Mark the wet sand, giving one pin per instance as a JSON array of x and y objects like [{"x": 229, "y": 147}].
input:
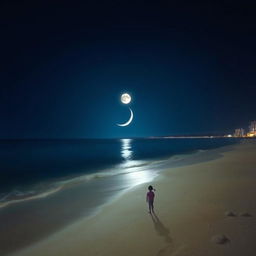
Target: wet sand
[{"x": 192, "y": 214}]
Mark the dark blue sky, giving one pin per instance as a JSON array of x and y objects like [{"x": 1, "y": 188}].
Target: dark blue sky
[{"x": 190, "y": 69}]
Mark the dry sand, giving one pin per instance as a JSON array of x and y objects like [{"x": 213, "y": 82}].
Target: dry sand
[{"x": 200, "y": 210}]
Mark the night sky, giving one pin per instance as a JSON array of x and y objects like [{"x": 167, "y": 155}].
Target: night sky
[{"x": 190, "y": 68}]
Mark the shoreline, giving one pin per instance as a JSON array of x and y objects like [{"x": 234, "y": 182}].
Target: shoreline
[
  {"x": 98, "y": 225},
  {"x": 58, "y": 186},
  {"x": 48, "y": 221}
]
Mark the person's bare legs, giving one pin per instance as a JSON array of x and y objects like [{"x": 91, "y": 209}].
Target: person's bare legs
[{"x": 151, "y": 206}]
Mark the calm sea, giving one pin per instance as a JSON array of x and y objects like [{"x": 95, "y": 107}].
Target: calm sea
[{"x": 32, "y": 167}]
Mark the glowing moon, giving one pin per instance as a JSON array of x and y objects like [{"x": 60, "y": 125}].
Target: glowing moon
[
  {"x": 126, "y": 98},
  {"x": 129, "y": 121}
]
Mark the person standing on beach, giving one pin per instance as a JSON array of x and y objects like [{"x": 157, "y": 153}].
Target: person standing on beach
[{"x": 150, "y": 199}]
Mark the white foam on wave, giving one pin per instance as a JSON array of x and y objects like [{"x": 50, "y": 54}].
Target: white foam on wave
[
  {"x": 180, "y": 157},
  {"x": 12, "y": 198},
  {"x": 43, "y": 190},
  {"x": 124, "y": 168},
  {"x": 137, "y": 171}
]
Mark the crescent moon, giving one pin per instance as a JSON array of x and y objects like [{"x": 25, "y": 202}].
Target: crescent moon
[{"x": 129, "y": 121}]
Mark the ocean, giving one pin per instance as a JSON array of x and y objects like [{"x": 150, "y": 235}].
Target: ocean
[{"x": 36, "y": 168}]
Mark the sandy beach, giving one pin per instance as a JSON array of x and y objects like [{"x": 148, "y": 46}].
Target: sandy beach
[{"x": 203, "y": 208}]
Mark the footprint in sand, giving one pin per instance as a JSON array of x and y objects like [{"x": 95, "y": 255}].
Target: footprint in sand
[
  {"x": 223, "y": 239},
  {"x": 233, "y": 214},
  {"x": 230, "y": 214},
  {"x": 220, "y": 239},
  {"x": 245, "y": 214}
]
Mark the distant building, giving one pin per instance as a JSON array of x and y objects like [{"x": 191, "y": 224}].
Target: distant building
[
  {"x": 252, "y": 129},
  {"x": 239, "y": 132}
]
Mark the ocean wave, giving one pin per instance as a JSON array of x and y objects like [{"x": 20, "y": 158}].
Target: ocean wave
[
  {"x": 16, "y": 196},
  {"x": 179, "y": 157},
  {"x": 43, "y": 190},
  {"x": 201, "y": 150},
  {"x": 124, "y": 168}
]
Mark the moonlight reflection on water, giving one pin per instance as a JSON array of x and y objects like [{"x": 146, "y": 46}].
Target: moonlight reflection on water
[{"x": 126, "y": 149}]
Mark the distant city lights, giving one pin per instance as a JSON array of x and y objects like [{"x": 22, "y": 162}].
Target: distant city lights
[{"x": 240, "y": 132}]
